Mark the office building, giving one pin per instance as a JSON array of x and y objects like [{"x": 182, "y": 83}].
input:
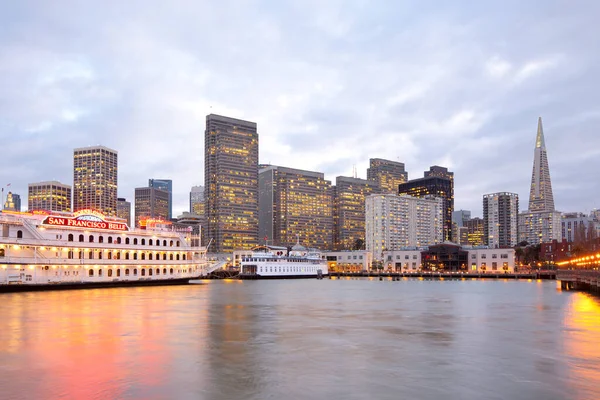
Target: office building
[
  {"x": 475, "y": 231},
  {"x": 398, "y": 221},
  {"x": 165, "y": 185},
  {"x": 151, "y": 203},
  {"x": 500, "y": 219},
  {"x": 13, "y": 202},
  {"x": 197, "y": 200},
  {"x": 439, "y": 182},
  {"x": 349, "y": 196},
  {"x": 541, "y": 223},
  {"x": 124, "y": 210},
  {"x": 95, "y": 179},
  {"x": 295, "y": 205},
  {"x": 231, "y": 183},
  {"x": 49, "y": 196},
  {"x": 386, "y": 174}
]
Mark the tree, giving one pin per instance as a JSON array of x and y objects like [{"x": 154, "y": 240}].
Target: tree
[{"x": 359, "y": 244}]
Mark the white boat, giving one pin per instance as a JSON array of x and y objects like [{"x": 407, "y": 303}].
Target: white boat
[
  {"x": 41, "y": 250},
  {"x": 300, "y": 262}
]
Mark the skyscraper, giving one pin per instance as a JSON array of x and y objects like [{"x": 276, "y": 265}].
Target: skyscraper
[
  {"x": 387, "y": 174},
  {"x": 231, "y": 183},
  {"x": 295, "y": 205},
  {"x": 438, "y": 181},
  {"x": 13, "y": 202},
  {"x": 95, "y": 179},
  {"x": 349, "y": 196},
  {"x": 124, "y": 210},
  {"x": 167, "y": 186},
  {"x": 49, "y": 196},
  {"x": 500, "y": 216},
  {"x": 152, "y": 203},
  {"x": 197, "y": 200},
  {"x": 541, "y": 223}
]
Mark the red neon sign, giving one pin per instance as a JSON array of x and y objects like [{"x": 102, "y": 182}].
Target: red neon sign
[{"x": 85, "y": 221}]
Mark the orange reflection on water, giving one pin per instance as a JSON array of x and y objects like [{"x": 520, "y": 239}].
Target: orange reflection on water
[{"x": 582, "y": 344}]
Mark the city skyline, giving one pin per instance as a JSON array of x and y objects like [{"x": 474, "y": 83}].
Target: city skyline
[{"x": 334, "y": 96}]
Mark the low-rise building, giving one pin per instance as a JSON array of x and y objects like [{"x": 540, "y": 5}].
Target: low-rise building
[{"x": 349, "y": 261}]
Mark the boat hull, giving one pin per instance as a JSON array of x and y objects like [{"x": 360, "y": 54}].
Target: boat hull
[
  {"x": 264, "y": 277},
  {"x": 24, "y": 287}
]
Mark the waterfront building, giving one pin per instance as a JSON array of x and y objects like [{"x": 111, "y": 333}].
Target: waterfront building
[
  {"x": 403, "y": 260},
  {"x": 151, "y": 203},
  {"x": 439, "y": 182},
  {"x": 578, "y": 227},
  {"x": 349, "y": 196},
  {"x": 231, "y": 183},
  {"x": 124, "y": 210},
  {"x": 13, "y": 202},
  {"x": 541, "y": 222},
  {"x": 349, "y": 260},
  {"x": 500, "y": 219},
  {"x": 95, "y": 179},
  {"x": 475, "y": 231},
  {"x": 556, "y": 251},
  {"x": 295, "y": 206},
  {"x": 486, "y": 260},
  {"x": 167, "y": 186},
  {"x": 397, "y": 221},
  {"x": 49, "y": 196},
  {"x": 386, "y": 174}
]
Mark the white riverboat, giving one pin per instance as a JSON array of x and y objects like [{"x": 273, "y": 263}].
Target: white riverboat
[
  {"x": 41, "y": 250},
  {"x": 267, "y": 262}
]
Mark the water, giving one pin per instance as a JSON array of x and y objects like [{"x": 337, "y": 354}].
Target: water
[{"x": 329, "y": 339}]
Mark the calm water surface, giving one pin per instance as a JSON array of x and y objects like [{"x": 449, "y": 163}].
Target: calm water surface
[{"x": 330, "y": 339}]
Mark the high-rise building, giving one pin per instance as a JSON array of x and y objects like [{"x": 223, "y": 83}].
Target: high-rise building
[
  {"x": 295, "y": 205},
  {"x": 231, "y": 183},
  {"x": 387, "y": 174},
  {"x": 151, "y": 203},
  {"x": 13, "y": 202},
  {"x": 398, "y": 221},
  {"x": 475, "y": 233},
  {"x": 95, "y": 179},
  {"x": 349, "y": 210},
  {"x": 460, "y": 217},
  {"x": 124, "y": 210},
  {"x": 439, "y": 182},
  {"x": 541, "y": 223},
  {"x": 578, "y": 227},
  {"x": 197, "y": 200},
  {"x": 167, "y": 186},
  {"x": 500, "y": 216},
  {"x": 49, "y": 196}
]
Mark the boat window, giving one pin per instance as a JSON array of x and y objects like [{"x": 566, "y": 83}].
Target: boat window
[
  {"x": 118, "y": 255},
  {"x": 91, "y": 239},
  {"x": 177, "y": 257},
  {"x": 135, "y": 256},
  {"x": 99, "y": 272},
  {"x": 149, "y": 271},
  {"x": 70, "y": 254},
  {"x": 164, "y": 243},
  {"x": 143, "y": 242},
  {"x": 101, "y": 239},
  {"x": 81, "y": 238},
  {"x": 134, "y": 240},
  {"x": 164, "y": 256},
  {"x": 91, "y": 255},
  {"x": 164, "y": 271},
  {"x": 126, "y": 240},
  {"x": 110, "y": 272},
  {"x": 118, "y": 272},
  {"x": 118, "y": 240},
  {"x": 143, "y": 272},
  {"x": 150, "y": 256},
  {"x": 178, "y": 243},
  {"x": 184, "y": 256},
  {"x": 100, "y": 255},
  {"x": 109, "y": 255},
  {"x": 91, "y": 272},
  {"x": 171, "y": 243},
  {"x": 171, "y": 271},
  {"x": 135, "y": 271},
  {"x": 171, "y": 257},
  {"x": 157, "y": 271},
  {"x": 70, "y": 239},
  {"x": 110, "y": 239},
  {"x": 149, "y": 242},
  {"x": 19, "y": 234},
  {"x": 127, "y": 256},
  {"x": 127, "y": 271},
  {"x": 143, "y": 256}
]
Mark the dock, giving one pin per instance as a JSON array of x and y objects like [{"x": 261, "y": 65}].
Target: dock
[{"x": 587, "y": 281}]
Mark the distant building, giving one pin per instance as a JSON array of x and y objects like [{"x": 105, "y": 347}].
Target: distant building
[
  {"x": 295, "y": 205},
  {"x": 578, "y": 227},
  {"x": 95, "y": 179},
  {"x": 556, "y": 251},
  {"x": 439, "y": 182},
  {"x": 349, "y": 196},
  {"x": 197, "y": 200},
  {"x": 151, "y": 203},
  {"x": 386, "y": 174},
  {"x": 49, "y": 196},
  {"x": 349, "y": 261},
  {"x": 460, "y": 217},
  {"x": 124, "y": 210},
  {"x": 500, "y": 219},
  {"x": 460, "y": 233},
  {"x": 398, "y": 221},
  {"x": 13, "y": 202},
  {"x": 475, "y": 232},
  {"x": 231, "y": 183},
  {"x": 167, "y": 186}
]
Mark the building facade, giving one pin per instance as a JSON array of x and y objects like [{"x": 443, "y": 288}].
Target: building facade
[
  {"x": 95, "y": 179},
  {"x": 164, "y": 185},
  {"x": 124, "y": 210},
  {"x": 231, "y": 183},
  {"x": 151, "y": 203},
  {"x": 197, "y": 200},
  {"x": 349, "y": 196},
  {"x": 578, "y": 227},
  {"x": 475, "y": 231},
  {"x": 439, "y": 182},
  {"x": 540, "y": 227},
  {"x": 386, "y": 174},
  {"x": 500, "y": 219},
  {"x": 349, "y": 261},
  {"x": 49, "y": 196},
  {"x": 398, "y": 221},
  {"x": 13, "y": 202},
  {"x": 295, "y": 205}
]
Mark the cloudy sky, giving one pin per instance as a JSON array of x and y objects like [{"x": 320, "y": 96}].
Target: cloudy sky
[{"x": 331, "y": 83}]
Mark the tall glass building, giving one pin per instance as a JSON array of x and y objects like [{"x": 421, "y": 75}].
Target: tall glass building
[
  {"x": 95, "y": 179},
  {"x": 231, "y": 183}
]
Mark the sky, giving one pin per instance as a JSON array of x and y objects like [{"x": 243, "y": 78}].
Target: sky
[{"x": 330, "y": 83}]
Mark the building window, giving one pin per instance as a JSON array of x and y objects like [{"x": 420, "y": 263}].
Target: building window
[
  {"x": 406, "y": 257},
  {"x": 484, "y": 256},
  {"x": 494, "y": 255},
  {"x": 503, "y": 255}
]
